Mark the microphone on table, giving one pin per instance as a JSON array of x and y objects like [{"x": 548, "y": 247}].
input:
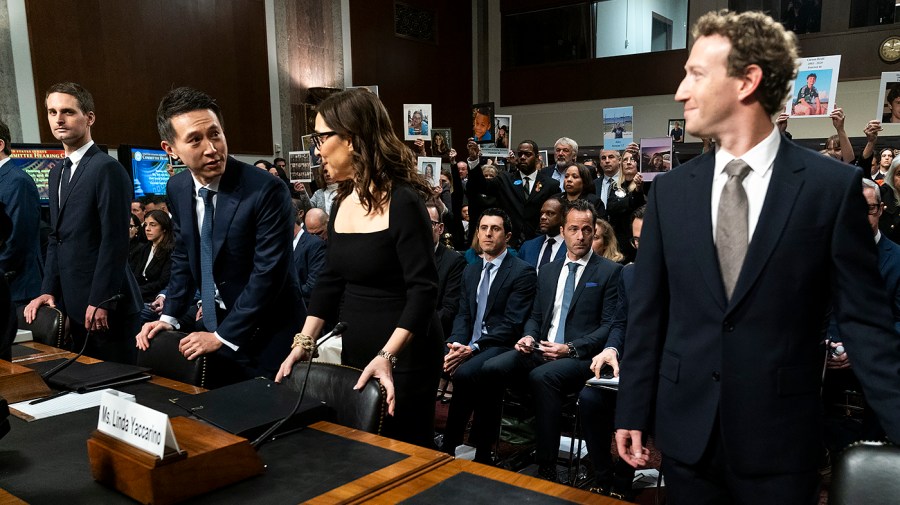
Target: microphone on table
[
  {"x": 58, "y": 368},
  {"x": 336, "y": 332}
]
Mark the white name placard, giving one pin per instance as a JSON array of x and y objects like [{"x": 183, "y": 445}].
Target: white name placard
[{"x": 135, "y": 424}]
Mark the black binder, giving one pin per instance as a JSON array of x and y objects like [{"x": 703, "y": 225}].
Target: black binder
[
  {"x": 82, "y": 378},
  {"x": 248, "y": 408}
]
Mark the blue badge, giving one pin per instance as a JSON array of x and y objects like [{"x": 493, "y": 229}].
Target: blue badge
[
  {"x": 518, "y": 182},
  {"x": 590, "y": 284}
]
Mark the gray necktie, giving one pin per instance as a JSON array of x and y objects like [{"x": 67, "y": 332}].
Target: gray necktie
[
  {"x": 732, "y": 235},
  {"x": 483, "y": 291}
]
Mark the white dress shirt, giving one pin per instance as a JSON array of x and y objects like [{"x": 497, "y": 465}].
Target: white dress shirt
[
  {"x": 760, "y": 158},
  {"x": 75, "y": 158},
  {"x": 560, "y": 291}
]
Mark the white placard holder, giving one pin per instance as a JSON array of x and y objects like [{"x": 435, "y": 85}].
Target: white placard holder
[{"x": 136, "y": 425}]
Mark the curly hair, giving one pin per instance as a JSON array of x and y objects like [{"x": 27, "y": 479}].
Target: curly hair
[
  {"x": 756, "y": 39},
  {"x": 379, "y": 157}
]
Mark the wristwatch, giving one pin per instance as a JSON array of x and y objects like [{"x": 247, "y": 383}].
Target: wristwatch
[
  {"x": 388, "y": 356},
  {"x": 572, "y": 352}
]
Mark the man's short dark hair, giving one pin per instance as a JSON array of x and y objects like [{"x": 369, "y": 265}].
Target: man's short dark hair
[
  {"x": 533, "y": 145},
  {"x": 812, "y": 75},
  {"x": 580, "y": 205},
  {"x": 82, "y": 96},
  {"x": 494, "y": 211},
  {"x": 276, "y": 160},
  {"x": 181, "y": 101},
  {"x": 300, "y": 202},
  {"x": 639, "y": 212},
  {"x": 893, "y": 92},
  {"x": 6, "y": 137},
  {"x": 140, "y": 202}
]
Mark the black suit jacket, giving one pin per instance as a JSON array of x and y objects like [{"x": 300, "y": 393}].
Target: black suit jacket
[
  {"x": 155, "y": 278},
  {"x": 20, "y": 254},
  {"x": 309, "y": 259},
  {"x": 450, "y": 265},
  {"x": 755, "y": 361},
  {"x": 87, "y": 254},
  {"x": 509, "y": 303},
  {"x": 593, "y": 304},
  {"x": 524, "y": 210},
  {"x": 252, "y": 262}
]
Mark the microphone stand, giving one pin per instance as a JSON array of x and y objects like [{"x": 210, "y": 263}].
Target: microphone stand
[
  {"x": 62, "y": 366},
  {"x": 338, "y": 329}
]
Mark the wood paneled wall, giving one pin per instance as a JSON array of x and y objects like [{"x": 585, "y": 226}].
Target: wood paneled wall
[{"x": 129, "y": 53}]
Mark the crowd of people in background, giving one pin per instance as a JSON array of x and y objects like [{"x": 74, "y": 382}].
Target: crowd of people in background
[{"x": 529, "y": 261}]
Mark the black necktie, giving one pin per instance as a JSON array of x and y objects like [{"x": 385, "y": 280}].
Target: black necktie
[
  {"x": 548, "y": 251},
  {"x": 207, "y": 283},
  {"x": 526, "y": 184},
  {"x": 64, "y": 179}
]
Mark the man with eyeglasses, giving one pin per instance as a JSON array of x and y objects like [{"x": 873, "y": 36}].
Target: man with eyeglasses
[
  {"x": 520, "y": 192},
  {"x": 450, "y": 265}
]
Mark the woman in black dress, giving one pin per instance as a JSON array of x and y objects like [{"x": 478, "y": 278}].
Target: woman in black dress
[{"x": 379, "y": 276}]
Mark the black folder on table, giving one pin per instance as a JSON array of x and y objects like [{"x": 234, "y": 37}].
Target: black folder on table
[
  {"x": 82, "y": 378},
  {"x": 250, "y": 407}
]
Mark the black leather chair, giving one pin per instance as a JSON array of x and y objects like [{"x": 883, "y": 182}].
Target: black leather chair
[
  {"x": 165, "y": 360},
  {"x": 47, "y": 327},
  {"x": 363, "y": 410},
  {"x": 866, "y": 472}
]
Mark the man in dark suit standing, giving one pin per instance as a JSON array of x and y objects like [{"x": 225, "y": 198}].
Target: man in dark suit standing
[
  {"x": 496, "y": 296},
  {"x": 86, "y": 270},
  {"x": 309, "y": 250},
  {"x": 549, "y": 245},
  {"x": 742, "y": 253},
  {"x": 233, "y": 235},
  {"x": 521, "y": 193},
  {"x": 570, "y": 322},
  {"x": 20, "y": 255}
]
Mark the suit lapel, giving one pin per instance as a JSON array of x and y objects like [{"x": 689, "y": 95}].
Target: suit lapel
[
  {"x": 82, "y": 165},
  {"x": 884, "y": 253},
  {"x": 499, "y": 280},
  {"x": 783, "y": 189},
  {"x": 589, "y": 273},
  {"x": 519, "y": 186},
  {"x": 227, "y": 200},
  {"x": 699, "y": 226},
  {"x": 554, "y": 270}
]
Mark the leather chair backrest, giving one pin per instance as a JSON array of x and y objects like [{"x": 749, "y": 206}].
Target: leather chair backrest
[
  {"x": 165, "y": 360},
  {"x": 362, "y": 410},
  {"x": 866, "y": 472},
  {"x": 47, "y": 327}
]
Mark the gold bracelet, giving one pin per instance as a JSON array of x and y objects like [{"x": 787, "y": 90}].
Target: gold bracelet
[
  {"x": 388, "y": 356},
  {"x": 304, "y": 341}
]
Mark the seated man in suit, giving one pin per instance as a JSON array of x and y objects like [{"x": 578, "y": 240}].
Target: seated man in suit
[
  {"x": 549, "y": 245},
  {"x": 596, "y": 405},
  {"x": 839, "y": 376},
  {"x": 496, "y": 296},
  {"x": 450, "y": 265},
  {"x": 569, "y": 324},
  {"x": 233, "y": 241},
  {"x": 521, "y": 192},
  {"x": 309, "y": 250}
]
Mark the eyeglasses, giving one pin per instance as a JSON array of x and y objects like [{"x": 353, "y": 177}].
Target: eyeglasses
[
  {"x": 319, "y": 138},
  {"x": 435, "y": 223},
  {"x": 874, "y": 208},
  {"x": 636, "y": 241},
  {"x": 132, "y": 226}
]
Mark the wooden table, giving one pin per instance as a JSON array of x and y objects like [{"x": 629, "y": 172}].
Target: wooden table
[{"x": 423, "y": 488}]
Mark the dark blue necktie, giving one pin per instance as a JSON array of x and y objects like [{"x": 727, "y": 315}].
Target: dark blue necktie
[
  {"x": 548, "y": 251},
  {"x": 568, "y": 293},
  {"x": 483, "y": 291},
  {"x": 64, "y": 179},
  {"x": 207, "y": 283}
]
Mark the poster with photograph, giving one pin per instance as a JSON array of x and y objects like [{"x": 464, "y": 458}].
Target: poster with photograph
[
  {"x": 676, "y": 130},
  {"x": 483, "y": 122},
  {"x": 618, "y": 127},
  {"x": 888, "y": 111},
  {"x": 544, "y": 158},
  {"x": 418, "y": 117},
  {"x": 430, "y": 168},
  {"x": 308, "y": 144},
  {"x": 299, "y": 166},
  {"x": 503, "y": 129},
  {"x": 815, "y": 88},
  {"x": 373, "y": 88},
  {"x": 441, "y": 141},
  {"x": 656, "y": 156}
]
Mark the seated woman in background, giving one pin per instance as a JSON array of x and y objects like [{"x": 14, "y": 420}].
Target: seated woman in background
[
  {"x": 605, "y": 243},
  {"x": 151, "y": 264},
  {"x": 578, "y": 185}
]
